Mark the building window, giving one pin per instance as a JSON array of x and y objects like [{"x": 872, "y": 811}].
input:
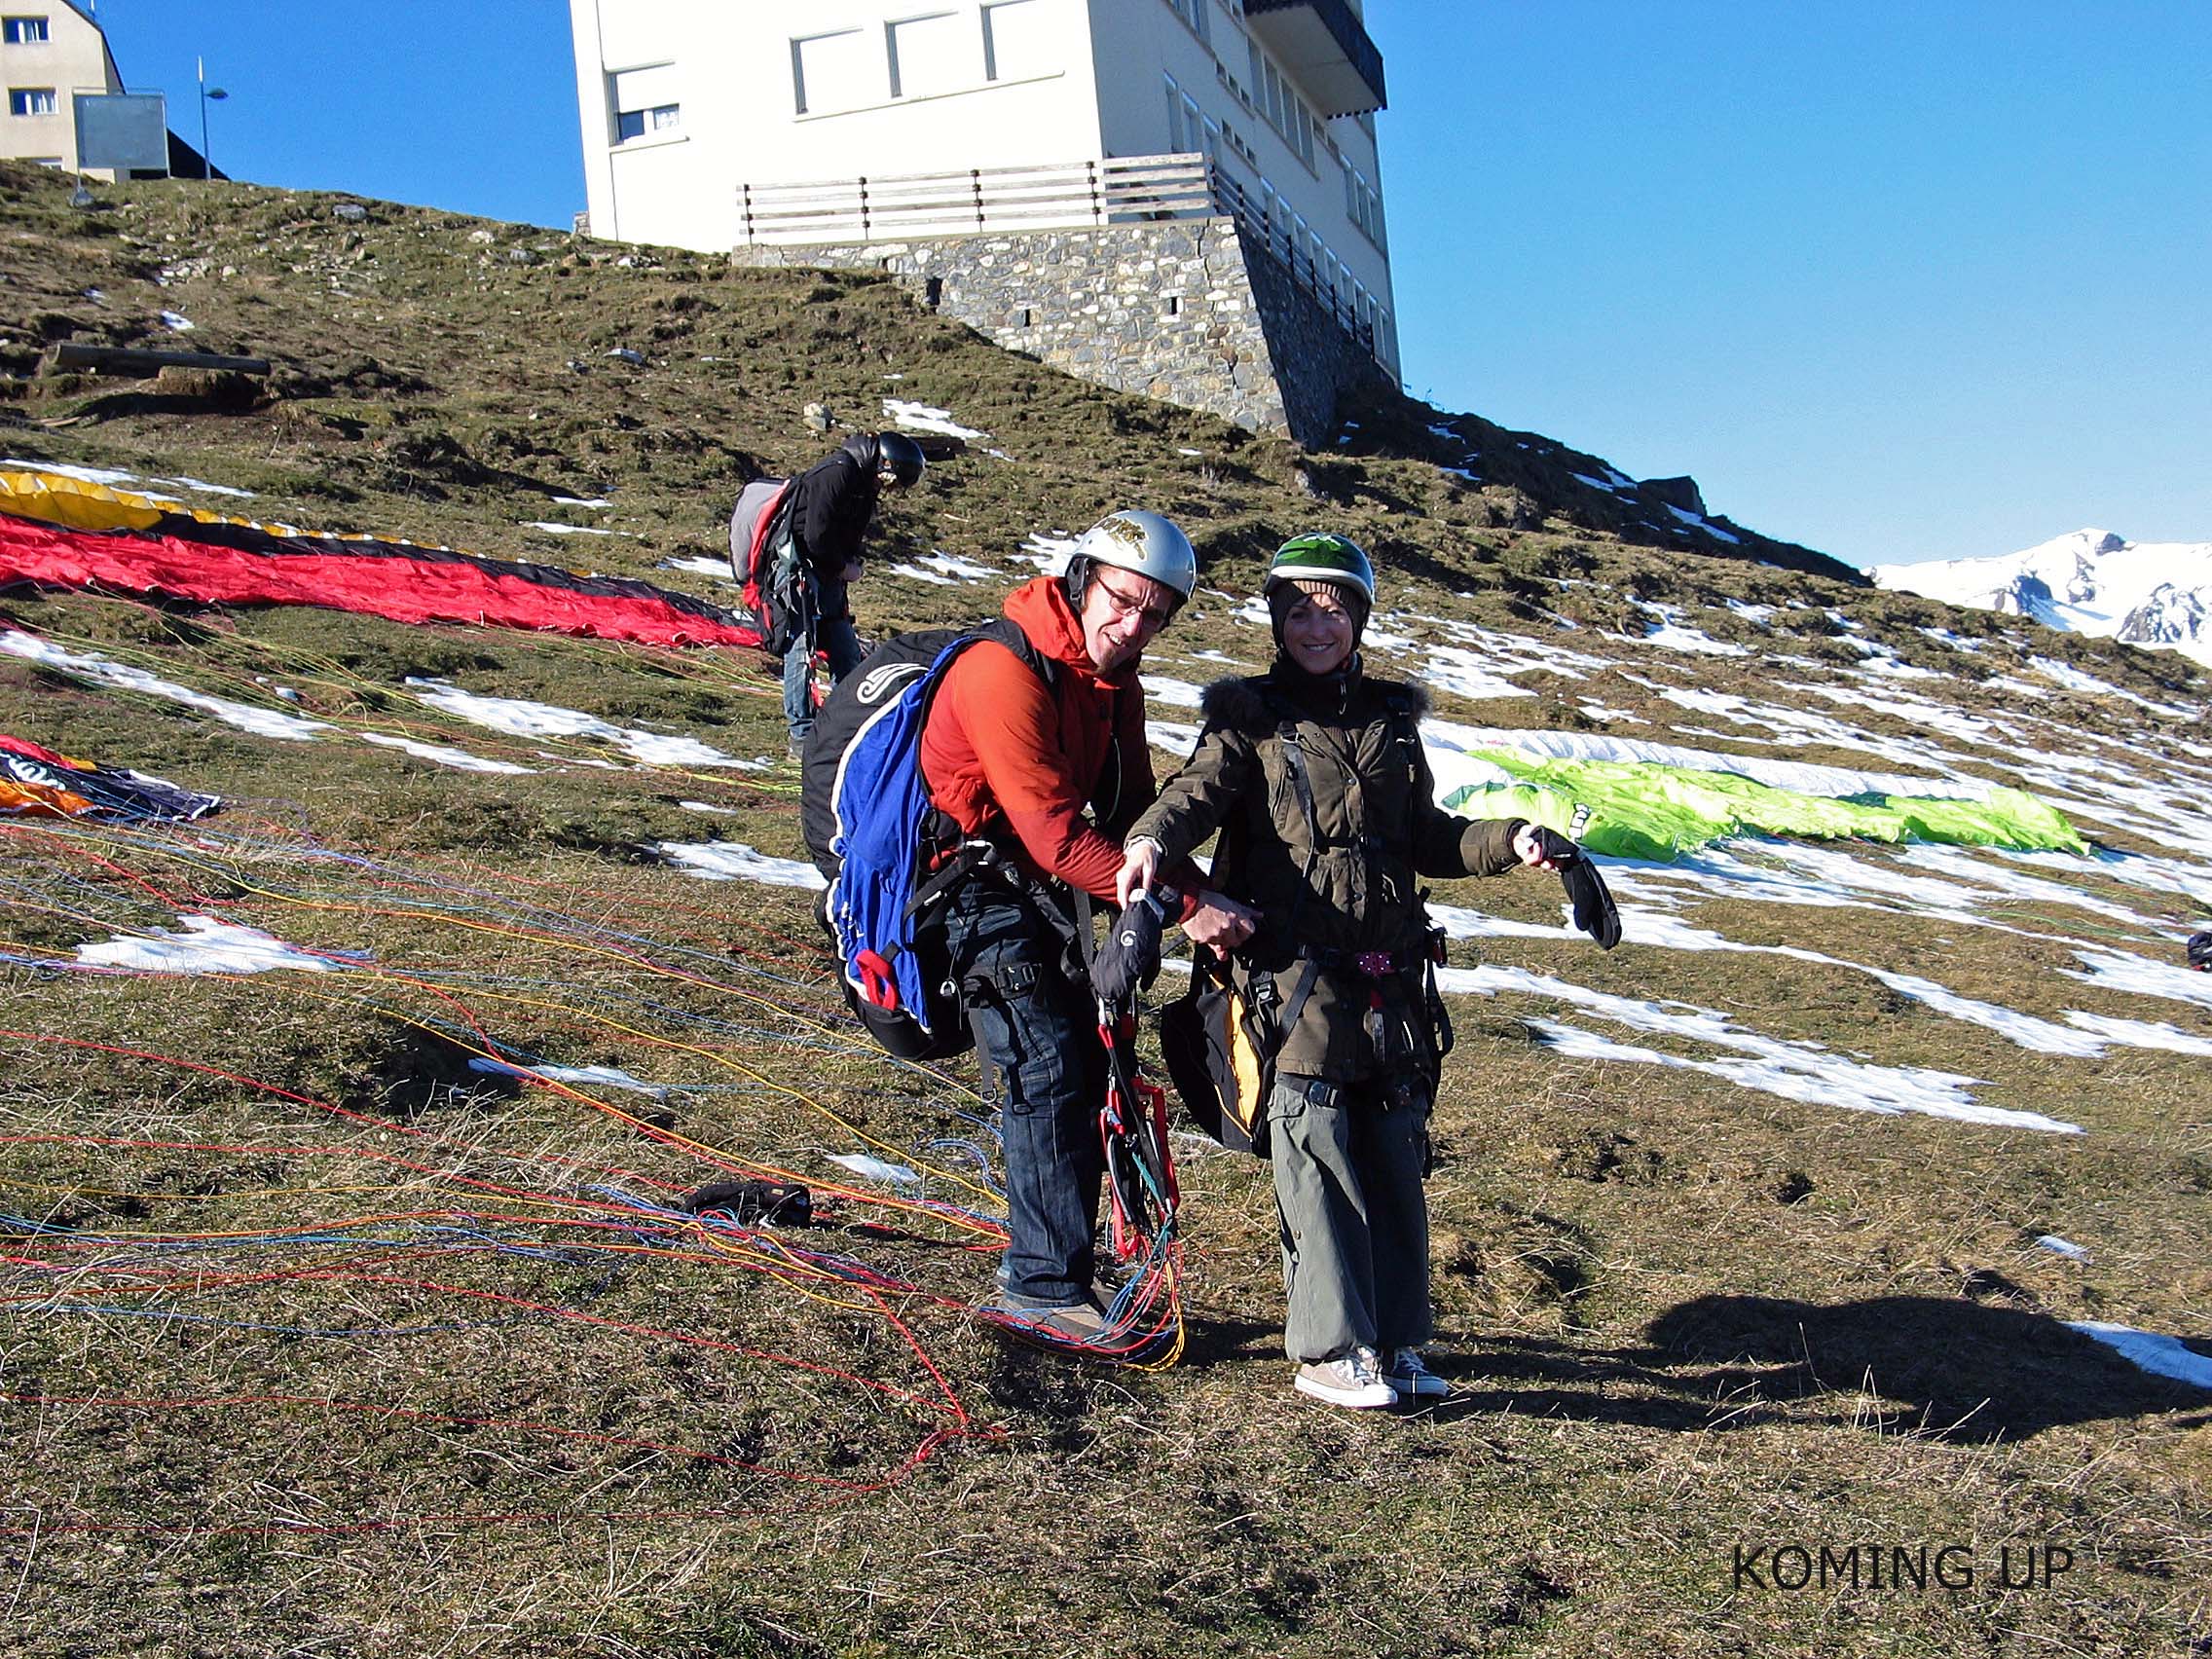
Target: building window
[
  {"x": 1019, "y": 42},
  {"x": 1362, "y": 205},
  {"x": 1189, "y": 130},
  {"x": 1285, "y": 110},
  {"x": 22, "y": 31},
  {"x": 645, "y": 101},
  {"x": 1194, "y": 16},
  {"x": 927, "y": 54},
  {"x": 833, "y": 72},
  {"x": 30, "y": 100},
  {"x": 632, "y": 124}
]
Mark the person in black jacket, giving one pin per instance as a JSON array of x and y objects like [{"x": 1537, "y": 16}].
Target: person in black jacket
[{"x": 832, "y": 504}]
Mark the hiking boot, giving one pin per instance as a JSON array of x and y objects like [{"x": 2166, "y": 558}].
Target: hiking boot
[
  {"x": 1074, "y": 1322},
  {"x": 1410, "y": 1376},
  {"x": 1353, "y": 1379}
]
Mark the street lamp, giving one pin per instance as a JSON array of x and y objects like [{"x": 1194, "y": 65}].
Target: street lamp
[{"x": 206, "y": 162}]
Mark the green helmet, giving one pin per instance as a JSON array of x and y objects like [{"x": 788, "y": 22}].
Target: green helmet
[{"x": 1322, "y": 557}]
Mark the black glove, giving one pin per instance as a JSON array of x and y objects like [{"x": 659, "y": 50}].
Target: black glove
[
  {"x": 1129, "y": 959},
  {"x": 2200, "y": 951},
  {"x": 779, "y": 1204},
  {"x": 1593, "y": 909}
]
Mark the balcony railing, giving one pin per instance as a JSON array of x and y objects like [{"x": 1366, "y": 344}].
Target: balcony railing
[
  {"x": 1066, "y": 196},
  {"x": 1326, "y": 48},
  {"x": 1071, "y": 196}
]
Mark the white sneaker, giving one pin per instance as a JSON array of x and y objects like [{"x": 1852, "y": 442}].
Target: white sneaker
[
  {"x": 1410, "y": 1376},
  {"x": 1353, "y": 1379}
]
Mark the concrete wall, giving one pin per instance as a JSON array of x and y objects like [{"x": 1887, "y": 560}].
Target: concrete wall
[{"x": 1184, "y": 311}]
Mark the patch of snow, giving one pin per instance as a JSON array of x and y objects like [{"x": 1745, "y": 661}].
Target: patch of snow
[
  {"x": 944, "y": 568},
  {"x": 734, "y": 861},
  {"x": 705, "y": 565},
  {"x": 460, "y": 759},
  {"x": 2138, "y": 976},
  {"x": 1698, "y": 521},
  {"x": 1803, "y": 1072},
  {"x": 2066, "y": 1247},
  {"x": 552, "y": 529},
  {"x": 2139, "y": 1033},
  {"x": 264, "y": 723},
  {"x": 2088, "y": 684},
  {"x": 176, "y": 323},
  {"x": 1175, "y": 693},
  {"x": 521, "y": 719},
  {"x": 1179, "y": 741},
  {"x": 112, "y": 479},
  {"x": 206, "y": 945},
  {"x": 921, "y": 417},
  {"x": 1048, "y": 553}
]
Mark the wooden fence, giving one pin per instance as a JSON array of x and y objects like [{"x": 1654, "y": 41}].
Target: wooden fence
[{"x": 1068, "y": 195}]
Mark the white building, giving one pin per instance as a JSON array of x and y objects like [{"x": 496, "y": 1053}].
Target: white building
[
  {"x": 921, "y": 117},
  {"x": 50, "y": 51}
]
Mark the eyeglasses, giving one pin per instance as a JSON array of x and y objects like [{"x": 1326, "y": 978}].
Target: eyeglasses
[{"x": 1133, "y": 604}]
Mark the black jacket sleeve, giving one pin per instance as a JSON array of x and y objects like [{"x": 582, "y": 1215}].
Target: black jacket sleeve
[{"x": 835, "y": 497}]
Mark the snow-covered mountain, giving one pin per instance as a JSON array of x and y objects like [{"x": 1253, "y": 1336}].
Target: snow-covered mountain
[{"x": 2148, "y": 593}]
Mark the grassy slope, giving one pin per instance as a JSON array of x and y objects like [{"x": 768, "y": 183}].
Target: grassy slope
[{"x": 1683, "y": 1316}]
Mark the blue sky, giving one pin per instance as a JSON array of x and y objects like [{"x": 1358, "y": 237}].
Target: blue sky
[{"x": 1893, "y": 279}]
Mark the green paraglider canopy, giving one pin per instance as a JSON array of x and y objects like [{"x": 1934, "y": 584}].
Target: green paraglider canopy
[{"x": 1648, "y": 810}]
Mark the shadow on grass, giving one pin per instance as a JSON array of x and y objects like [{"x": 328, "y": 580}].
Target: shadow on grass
[{"x": 1936, "y": 1367}]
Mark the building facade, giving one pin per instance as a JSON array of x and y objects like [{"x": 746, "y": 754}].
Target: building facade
[
  {"x": 941, "y": 139},
  {"x": 50, "y": 51}
]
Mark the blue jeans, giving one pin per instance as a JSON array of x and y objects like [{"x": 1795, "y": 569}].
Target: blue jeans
[
  {"x": 1037, "y": 1033},
  {"x": 834, "y": 635}
]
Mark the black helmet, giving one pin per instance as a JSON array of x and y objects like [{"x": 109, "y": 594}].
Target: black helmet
[{"x": 899, "y": 455}]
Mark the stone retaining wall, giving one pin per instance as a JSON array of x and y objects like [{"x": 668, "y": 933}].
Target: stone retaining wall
[{"x": 1185, "y": 310}]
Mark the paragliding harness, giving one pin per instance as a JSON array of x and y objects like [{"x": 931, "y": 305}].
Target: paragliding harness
[
  {"x": 1219, "y": 1039},
  {"x": 890, "y": 857},
  {"x": 893, "y": 860},
  {"x": 765, "y": 559}
]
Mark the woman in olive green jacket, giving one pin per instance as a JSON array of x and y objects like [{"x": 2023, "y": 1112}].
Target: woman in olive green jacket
[{"x": 1314, "y": 775}]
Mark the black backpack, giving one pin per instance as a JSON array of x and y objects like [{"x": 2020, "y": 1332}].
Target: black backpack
[
  {"x": 766, "y": 561},
  {"x": 905, "y": 941}
]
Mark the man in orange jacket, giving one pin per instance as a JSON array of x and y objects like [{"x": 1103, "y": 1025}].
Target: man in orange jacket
[{"x": 1055, "y": 772}]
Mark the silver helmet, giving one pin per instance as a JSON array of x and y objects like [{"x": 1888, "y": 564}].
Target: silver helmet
[{"x": 1144, "y": 542}]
